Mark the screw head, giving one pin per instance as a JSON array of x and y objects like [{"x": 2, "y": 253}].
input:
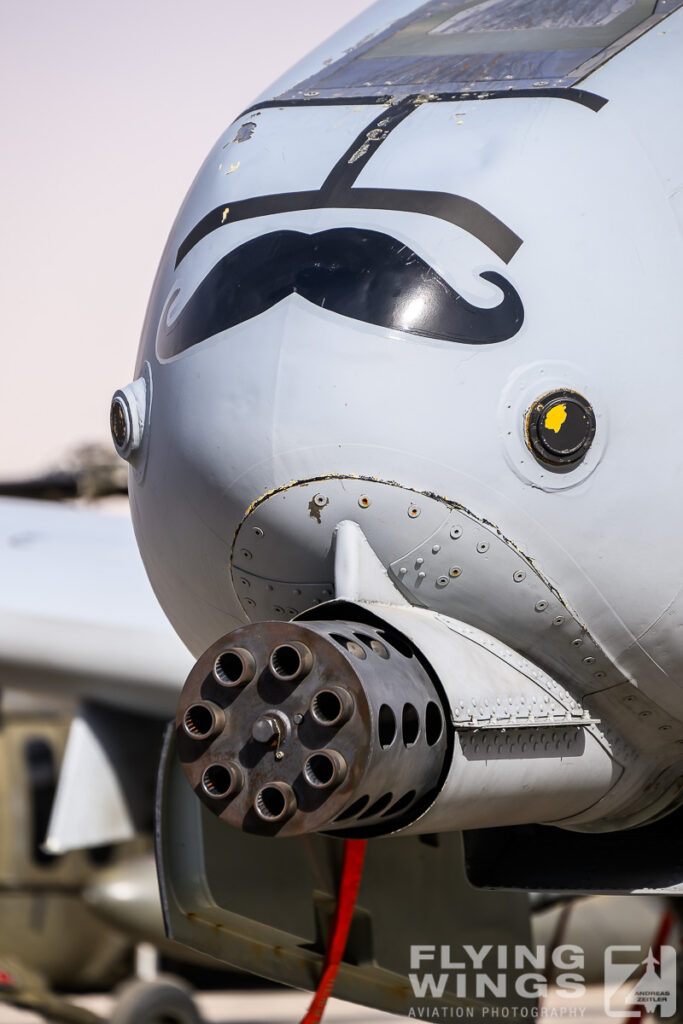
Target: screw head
[
  {"x": 577, "y": 642},
  {"x": 590, "y": 660},
  {"x": 558, "y": 620},
  {"x": 482, "y": 546},
  {"x": 519, "y": 576},
  {"x": 265, "y": 728},
  {"x": 442, "y": 581},
  {"x": 320, "y": 500},
  {"x": 413, "y": 511},
  {"x": 364, "y": 501},
  {"x": 455, "y": 571},
  {"x": 541, "y": 606},
  {"x": 257, "y": 531},
  {"x": 456, "y": 531}
]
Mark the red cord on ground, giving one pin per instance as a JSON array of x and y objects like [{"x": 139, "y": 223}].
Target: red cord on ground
[{"x": 352, "y": 870}]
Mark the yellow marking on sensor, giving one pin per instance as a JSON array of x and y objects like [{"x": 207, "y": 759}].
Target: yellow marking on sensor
[
  {"x": 226, "y": 211},
  {"x": 233, "y": 167},
  {"x": 555, "y": 418}
]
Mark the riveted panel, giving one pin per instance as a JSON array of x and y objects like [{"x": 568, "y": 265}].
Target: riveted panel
[
  {"x": 469, "y": 571},
  {"x": 293, "y": 527}
]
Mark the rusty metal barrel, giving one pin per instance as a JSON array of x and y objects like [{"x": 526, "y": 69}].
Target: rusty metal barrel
[{"x": 286, "y": 728}]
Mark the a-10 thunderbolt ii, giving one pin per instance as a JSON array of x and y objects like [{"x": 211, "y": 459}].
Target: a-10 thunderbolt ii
[{"x": 404, "y": 441}]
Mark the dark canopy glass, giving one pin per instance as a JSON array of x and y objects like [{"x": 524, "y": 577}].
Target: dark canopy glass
[{"x": 456, "y": 46}]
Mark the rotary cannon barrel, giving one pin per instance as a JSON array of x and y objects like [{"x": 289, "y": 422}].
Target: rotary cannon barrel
[{"x": 288, "y": 727}]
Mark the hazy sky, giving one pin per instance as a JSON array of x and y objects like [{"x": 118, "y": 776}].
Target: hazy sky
[{"x": 108, "y": 109}]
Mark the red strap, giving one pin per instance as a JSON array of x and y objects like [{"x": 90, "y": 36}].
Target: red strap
[{"x": 352, "y": 870}]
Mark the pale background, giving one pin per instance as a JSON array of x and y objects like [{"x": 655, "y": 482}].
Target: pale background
[{"x": 107, "y": 110}]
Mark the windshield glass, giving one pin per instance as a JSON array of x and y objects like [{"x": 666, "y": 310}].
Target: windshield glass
[{"x": 456, "y": 46}]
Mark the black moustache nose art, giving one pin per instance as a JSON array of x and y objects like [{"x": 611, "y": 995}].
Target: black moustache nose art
[{"x": 366, "y": 275}]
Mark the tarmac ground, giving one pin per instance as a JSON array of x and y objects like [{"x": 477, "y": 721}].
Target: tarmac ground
[{"x": 288, "y": 1007}]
